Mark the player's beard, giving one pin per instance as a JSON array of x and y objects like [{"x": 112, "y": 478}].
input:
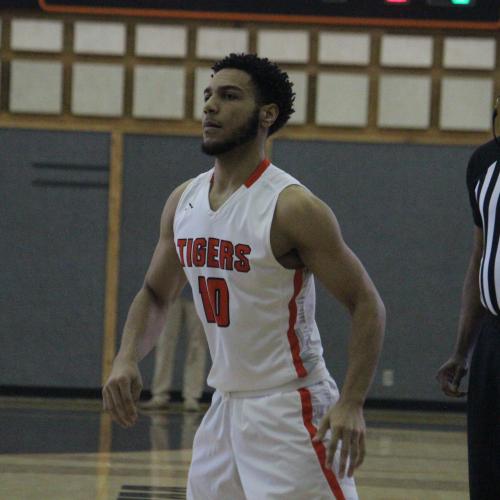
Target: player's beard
[{"x": 242, "y": 135}]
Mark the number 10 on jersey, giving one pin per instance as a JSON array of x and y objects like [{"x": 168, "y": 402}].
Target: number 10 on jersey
[{"x": 215, "y": 296}]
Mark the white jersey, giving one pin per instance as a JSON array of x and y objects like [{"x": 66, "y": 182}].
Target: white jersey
[{"x": 259, "y": 317}]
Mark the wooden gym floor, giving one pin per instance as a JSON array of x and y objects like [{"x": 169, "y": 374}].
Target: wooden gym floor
[{"x": 68, "y": 450}]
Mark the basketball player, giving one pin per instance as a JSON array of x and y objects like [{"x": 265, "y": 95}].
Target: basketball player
[{"x": 249, "y": 238}]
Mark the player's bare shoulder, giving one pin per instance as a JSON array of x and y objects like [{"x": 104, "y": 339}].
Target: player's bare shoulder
[
  {"x": 303, "y": 221},
  {"x": 298, "y": 209},
  {"x": 295, "y": 200},
  {"x": 292, "y": 207}
]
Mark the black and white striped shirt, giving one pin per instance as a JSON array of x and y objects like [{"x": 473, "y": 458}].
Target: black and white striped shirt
[{"x": 483, "y": 181}]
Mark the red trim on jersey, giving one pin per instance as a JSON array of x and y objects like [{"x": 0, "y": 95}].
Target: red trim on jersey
[
  {"x": 319, "y": 447},
  {"x": 293, "y": 340},
  {"x": 254, "y": 176}
]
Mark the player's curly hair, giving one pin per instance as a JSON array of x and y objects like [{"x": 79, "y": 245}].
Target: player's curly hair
[{"x": 272, "y": 84}]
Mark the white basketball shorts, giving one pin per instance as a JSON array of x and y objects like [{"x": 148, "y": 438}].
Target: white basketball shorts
[{"x": 260, "y": 448}]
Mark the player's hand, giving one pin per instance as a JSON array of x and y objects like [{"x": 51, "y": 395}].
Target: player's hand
[
  {"x": 122, "y": 391},
  {"x": 347, "y": 423},
  {"x": 450, "y": 375}
]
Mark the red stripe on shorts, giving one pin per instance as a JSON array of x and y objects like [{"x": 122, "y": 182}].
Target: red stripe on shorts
[
  {"x": 293, "y": 340},
  {"x": 319, "y": 447}
]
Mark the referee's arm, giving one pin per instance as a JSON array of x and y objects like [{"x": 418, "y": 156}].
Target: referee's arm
[{"x": 451, "y": 373}]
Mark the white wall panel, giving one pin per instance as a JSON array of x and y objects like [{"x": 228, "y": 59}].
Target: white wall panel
[
  {"x": 407, "y": 51},
  {"x": 201, "y": 81},
  {"x": 215, "y": 43},
  {"x": 344, "y": 48},
  {"x": 471, "y": 53},
  {"x": 99, "y": 38},
  {"x": 284, "y": 45},
  {"x": 159, "y": 92},
  {"x": 36, "y": 87},
  {"x": 300, "y": 87},
  {"x": 97, "y": 89},
  {"x": 160, "y": 41},
  {"x": 404, "y": 101},
  {"x": 36, "y": 35},
  {"x": 342, "y": 99},
  {"x": 466, "y": 103}
]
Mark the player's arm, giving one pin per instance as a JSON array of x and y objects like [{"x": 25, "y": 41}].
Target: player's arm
[
  {"x": 309, "y": 226},
  {"x": 451, "y": 373},
  {"x": 163, "y": 282}
]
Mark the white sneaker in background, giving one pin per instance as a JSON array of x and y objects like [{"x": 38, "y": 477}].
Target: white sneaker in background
[
  {"x": 191, "y": 405},
  {"x": 154, "y": 404}
]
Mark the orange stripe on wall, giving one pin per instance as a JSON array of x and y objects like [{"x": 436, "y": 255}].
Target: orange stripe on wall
[
  {"x": 272, "y": 18},
  {"x": 113, "y": 254}
]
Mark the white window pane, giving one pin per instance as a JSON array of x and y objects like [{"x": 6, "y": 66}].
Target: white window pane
[
  {"x": 407, "y": 51},
  {"x": 99, "y": 38},
  {"x": 36, "y": 87},
  {"x": 404, "y": 101},
  {"x": 283, "y": 45},
  {"x": 97, "y": 89},
  {"x": 300, "y": 87},
  {"x": 214, "y": 43},
  {"x": 159, "y": 92},
  {"x": 158, "y": 40},
  {"x": 36, "y": 35},
  {"x": 472, "y": 53},
  {"x": 342, "y": 99},
  {"x": 466, "y": 103},
  {"x": 344, "y": 48},
  {"x": 201, "y": 80}
]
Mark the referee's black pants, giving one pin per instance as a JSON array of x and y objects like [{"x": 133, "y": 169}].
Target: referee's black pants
[{"x": 483, "y": 413}]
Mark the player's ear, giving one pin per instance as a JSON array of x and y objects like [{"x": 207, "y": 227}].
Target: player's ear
[{"x": 268, "y": 115}]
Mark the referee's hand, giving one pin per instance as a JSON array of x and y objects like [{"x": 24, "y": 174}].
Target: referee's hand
[
  {"x": 122, "y": 391},
  {"x": 450, "y": 375}
]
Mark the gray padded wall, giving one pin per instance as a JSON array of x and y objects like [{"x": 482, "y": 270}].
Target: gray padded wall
[
  {"x": 53, "y": 192},
  {"x": 153, "y": 167},
  {"x": 404, "y": 210}
]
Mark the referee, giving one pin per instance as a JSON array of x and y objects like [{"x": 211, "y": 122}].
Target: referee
[{"x": 479, "y": 328}]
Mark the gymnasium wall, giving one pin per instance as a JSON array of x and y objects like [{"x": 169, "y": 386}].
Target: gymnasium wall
[
  {"x": 53, "y": 227},
  {"x": 403, "y": 209},
  {"x": 99, "y": 120}
]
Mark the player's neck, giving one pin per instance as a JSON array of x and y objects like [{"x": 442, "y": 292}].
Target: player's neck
[{"x": 232, "y": 169}]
